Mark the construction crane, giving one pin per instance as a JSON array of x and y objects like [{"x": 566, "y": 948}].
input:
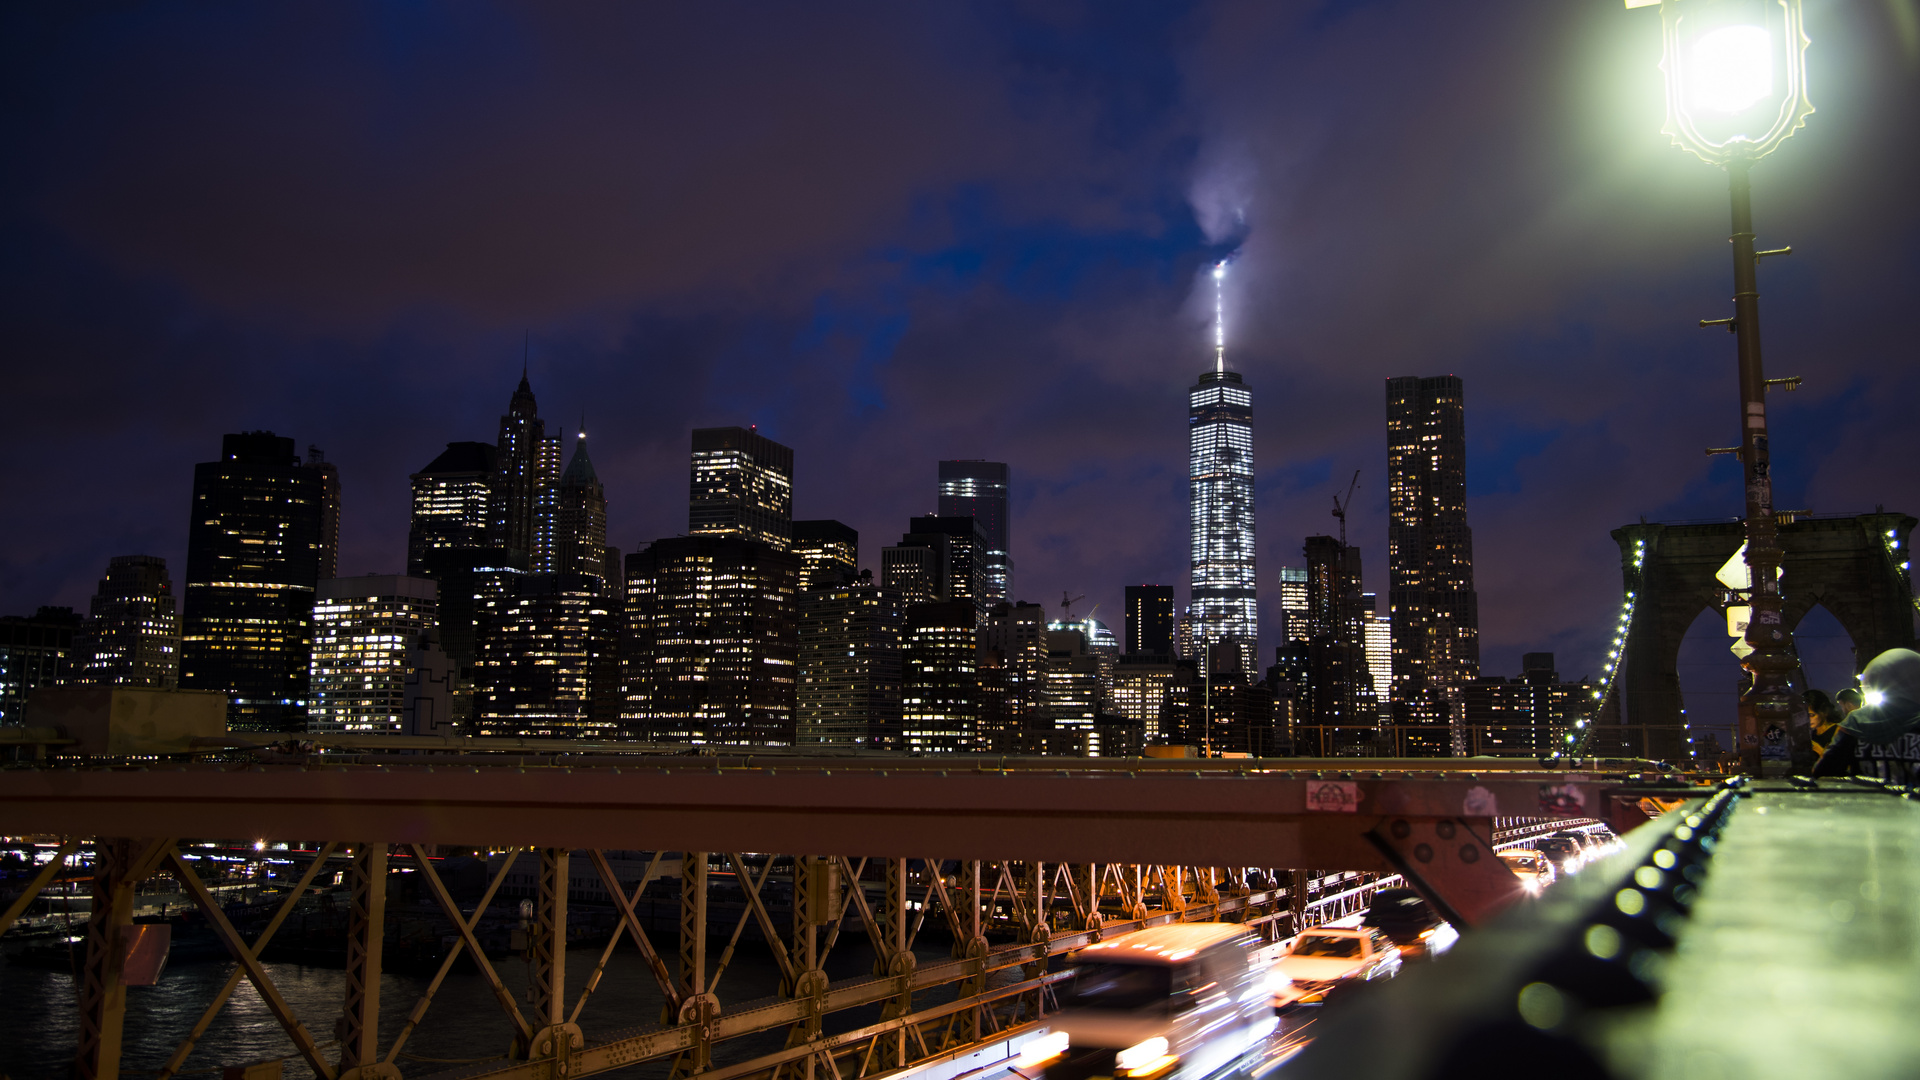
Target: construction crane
[
  {"x": 1340, "y": 508},
  {"x": 1066, "y": 605}
]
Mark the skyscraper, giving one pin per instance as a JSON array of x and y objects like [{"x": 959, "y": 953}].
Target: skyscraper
[
  {"x": 978, "y": 489},
  {"x": 1431, "y": 600},
  {"x": 548, "y": 661},
  {"x": 1220, "y": 473},
  {"x": 1293, "y": 604},
  {"x": 712, "y": 645},
  {"x": 1150, "y": 620},
  {"x": 528, "y": 468},
  {"x": 939, "y": 707},
  {"x": 829, "y": 552},
  {"x": 742, "y": 486},
  {"x": 131, "y": 636},
  {"x": 849, "y": 641},
  {"x": 452, "y": 504},
  {"x": 580, "y": 518},
  {"x": 1013, "y": 648},
  {"x": 329, "y": 511},
  {"x": 919, "y": 567},
  {"x": 253, "y": 558},
  {"x": 1340, "y": 678},
  {"x": 364, "y": 632},
  {"x": 968, "y": 573},
  {"x": 35, "y": 650}
]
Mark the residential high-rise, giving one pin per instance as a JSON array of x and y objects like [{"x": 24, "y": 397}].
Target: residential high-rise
[
  {"x": 1377, "y": 630},
  {"x": 548, "y": 663},
  {"x": 1220, "y": 471},
  {"x": 131, "y": 636},
  {"x": 712, "y": 646},
  {"x": 580, "y": 518},
  {"x": 35, "y": 650},
  {"x": 742, "y": 486},
  {"x": 829, "y": 553},
  {"x": 329, "y": 511},
  {"x": 527, "y": 464},
  {"x": 1431, "y": 600},
  {"x": 978, "y": 489},
  {"x": 1150, "y": 620},
  {"x": 452, "y": 504},
  {"x": 253, "y": 558},
  {"x": 849, "y": 664},
  {"x": 364, "y": 632},
  {"x": 1295, "y": 621},
  {"x": 939, "y": 707},
  {"x": 1524, "y": 716}
]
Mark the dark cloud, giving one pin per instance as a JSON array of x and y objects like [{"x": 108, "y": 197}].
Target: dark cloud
[{"x": 891, "y": 234}]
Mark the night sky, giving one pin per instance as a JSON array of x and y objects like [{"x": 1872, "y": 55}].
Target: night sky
[{"x": 895, "y": 233}]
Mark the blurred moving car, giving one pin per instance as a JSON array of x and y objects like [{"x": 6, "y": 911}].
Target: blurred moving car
[
  {"x": 1410, "y": 922},
  {"x": 1564, "y": 851},
  {"x": 1531, "y": 867},
  {"x": 1182, "y": 1001},
  {"x": 1326, "y": 957}
]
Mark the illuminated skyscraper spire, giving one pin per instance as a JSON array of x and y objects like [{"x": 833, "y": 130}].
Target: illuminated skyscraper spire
[
  {"x": 1220, "y": 316},
  {"x": 1220, "y": 476}
]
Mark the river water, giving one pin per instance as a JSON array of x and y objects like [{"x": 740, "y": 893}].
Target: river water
[{"x": 39, "y": 1022}]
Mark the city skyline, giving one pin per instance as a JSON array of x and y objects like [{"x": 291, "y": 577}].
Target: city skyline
[{"x": 1023, "y": 330}]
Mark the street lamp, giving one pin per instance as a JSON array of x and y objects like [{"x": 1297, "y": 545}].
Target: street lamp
[{"x": 1736, "y": 88}]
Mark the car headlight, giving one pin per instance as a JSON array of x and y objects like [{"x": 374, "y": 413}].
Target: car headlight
[
  {"x": 1144, "y": 1058},
  {"x": 1041, "y": 1050}
]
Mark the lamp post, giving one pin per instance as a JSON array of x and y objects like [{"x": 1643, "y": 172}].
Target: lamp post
[{"x": 1736, "y": 88}]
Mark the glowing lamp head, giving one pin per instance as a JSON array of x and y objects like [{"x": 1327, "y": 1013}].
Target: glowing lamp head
[
  {"x": 1219, "y": 271},
  {"x": 1731, "y": 69},
  {"x": 1875, "y": 697}
]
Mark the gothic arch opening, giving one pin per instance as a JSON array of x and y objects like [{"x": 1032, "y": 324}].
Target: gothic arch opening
[{"x": 1710, "y": 682}]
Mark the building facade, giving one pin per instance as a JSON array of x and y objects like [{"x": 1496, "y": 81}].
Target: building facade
[
  {"x": 1140, "y": 692},
  {"x": 829, "y": 553},
  {"x": 1150, "y": 616},
  {"x": 548, "y": 660},
  {"x": 329, "y": 511},
  {"x": 742, "y": 485},
  {"x": 848, "y": 694},
  {"x": 35, "y": 650},
  {"x": 528, "y": 473},
  {"x": 939, "y": 688},
  {"x": 1431, "y": 599},
  {"x": 131, "y": 636},
  {"x": 364, "y": 632},
  {"x": 253, "y": 559},
  {"x": 1013, "y": 660},
  {"x": 978, "y": 489},
  {"x": 453, "y": 500},
  {"x": 580, "y": 518},
  {"x": 1220, "y": 472},
  {"x": 712, "y": 648}
]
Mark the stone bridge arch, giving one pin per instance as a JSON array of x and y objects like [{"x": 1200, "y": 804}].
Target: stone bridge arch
[{"x": 1855, "y": 567}]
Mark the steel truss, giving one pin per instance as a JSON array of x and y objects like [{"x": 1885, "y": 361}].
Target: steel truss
[{"x": 1007, "y": 920}]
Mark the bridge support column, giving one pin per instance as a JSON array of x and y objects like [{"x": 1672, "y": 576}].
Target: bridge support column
[
  {"x": 359, "y": 1027},
  {"x": 119, "y": 866},
  {"x": 697, "y": 1006},
  {"x": 896, "y": 961}
]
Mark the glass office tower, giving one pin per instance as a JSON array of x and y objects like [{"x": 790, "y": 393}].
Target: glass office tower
[
  {"x": 978, "y": 489},
  {"x": 1220, "y": 471}
]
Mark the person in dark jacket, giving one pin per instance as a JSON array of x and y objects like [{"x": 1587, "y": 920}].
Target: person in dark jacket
[{"x": 1890, "y": 708}]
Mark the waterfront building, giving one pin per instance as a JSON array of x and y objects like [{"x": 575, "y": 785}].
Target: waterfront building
[
  {"x": 364, "y": 632},
  {"x": 1431, "y": 599},
  {"x": 939, "y": 707},
  {"x": 548, "y": 661},
  {"x": 131, "y": 636},
  {"x": 712, "y": 646},
  {"x": 978, "y": 489},
  {"x": 35, "y": 650},
  {"x": 253, "y": 558},
  {"x": 829, "y": 552},
  {"x": 742, "y": 485},
  {"x": 1150, "y": 617},
  {"x": 849, "y": 664}
]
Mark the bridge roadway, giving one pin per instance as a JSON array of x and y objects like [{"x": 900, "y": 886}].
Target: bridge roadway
[{"x": 1042, "y": 855}]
